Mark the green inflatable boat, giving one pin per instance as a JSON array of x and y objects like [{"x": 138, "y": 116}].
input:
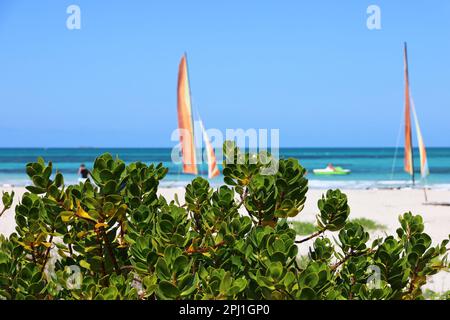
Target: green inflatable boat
[{"x": 329, "y": 171}]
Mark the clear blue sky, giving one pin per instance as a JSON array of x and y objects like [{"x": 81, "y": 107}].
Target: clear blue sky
[{"x": 310, "y": 68}]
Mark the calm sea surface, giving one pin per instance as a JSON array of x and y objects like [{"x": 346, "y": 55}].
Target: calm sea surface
[{"x": 371, "y": 167}]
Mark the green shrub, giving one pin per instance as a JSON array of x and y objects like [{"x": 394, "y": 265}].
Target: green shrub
[
  {"x": 113, "y": 237},
  {"x": 7, "y": 200}
]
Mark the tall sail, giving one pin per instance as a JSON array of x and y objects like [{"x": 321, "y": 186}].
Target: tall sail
[
  {"x": 185, "y": 123},
  {"x": 409, "y": 163},
  {"x": 213, "y": 170},
  {"x": 424, "y": 171}
]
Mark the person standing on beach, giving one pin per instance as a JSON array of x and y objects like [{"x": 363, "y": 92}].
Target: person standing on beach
[{"x": 83, "y": 172}]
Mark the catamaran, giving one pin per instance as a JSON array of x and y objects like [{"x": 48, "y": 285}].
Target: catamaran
[
  {"x": 409, "y": 155},
  {"x": 186, "y": 127},
  {"x": 409, "y": 151}
]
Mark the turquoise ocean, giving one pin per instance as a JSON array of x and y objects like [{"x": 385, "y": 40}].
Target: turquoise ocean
[{"x": 371, "y": 167}]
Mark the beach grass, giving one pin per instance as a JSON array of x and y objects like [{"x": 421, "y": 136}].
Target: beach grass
[
  {"x": 369, "y": 224},
  {"x": 307, "y": 228},
  {"x": 303, "y": 228}
]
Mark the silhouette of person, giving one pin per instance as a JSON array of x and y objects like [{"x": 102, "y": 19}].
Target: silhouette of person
[{"x": 83, "y": 172}]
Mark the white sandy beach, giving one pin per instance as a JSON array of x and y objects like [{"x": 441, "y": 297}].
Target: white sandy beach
[{"x": 382, "y": 206}]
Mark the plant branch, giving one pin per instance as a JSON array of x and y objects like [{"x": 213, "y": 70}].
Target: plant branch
[
  {"x": 99, "y": 241},
  {"x": 3, "y": 211},
  {"x": 47, "y": 252},
  {"x": 350, "y": 255},
  {"x": 243, "y": 197},
  {"x": 110, "y": 251},
  {"x": 315, "y": 234}
]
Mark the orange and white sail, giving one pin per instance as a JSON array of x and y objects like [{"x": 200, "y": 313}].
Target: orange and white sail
[
  {"x": 213, "y": 169},
  {"x": 185, "y": 123},
  {"x": 409, "y": 164},
  {"x": 424, "y": 170}
]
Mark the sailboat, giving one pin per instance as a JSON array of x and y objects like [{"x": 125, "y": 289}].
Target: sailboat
[
  {"x": 410, "y": 107},
  {"x": 186, "y": 127}
]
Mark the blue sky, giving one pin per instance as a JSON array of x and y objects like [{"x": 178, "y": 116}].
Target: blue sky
[{"x": 309, "y": 68}]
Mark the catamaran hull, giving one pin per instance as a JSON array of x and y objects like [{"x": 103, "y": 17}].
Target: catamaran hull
[{"x": 324, "y": 172}]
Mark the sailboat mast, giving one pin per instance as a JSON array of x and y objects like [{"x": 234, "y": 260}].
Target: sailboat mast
[{"x": 409, "y": 153}]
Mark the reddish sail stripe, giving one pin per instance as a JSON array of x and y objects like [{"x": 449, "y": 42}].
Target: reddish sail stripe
[
  {"x": 213, "y": 170},
  {"x": 185, "y": 124},
  {"x": 408, "y": 136}
]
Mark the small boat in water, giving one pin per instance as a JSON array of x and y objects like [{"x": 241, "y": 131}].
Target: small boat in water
[{"x": 331, "y": 171}]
